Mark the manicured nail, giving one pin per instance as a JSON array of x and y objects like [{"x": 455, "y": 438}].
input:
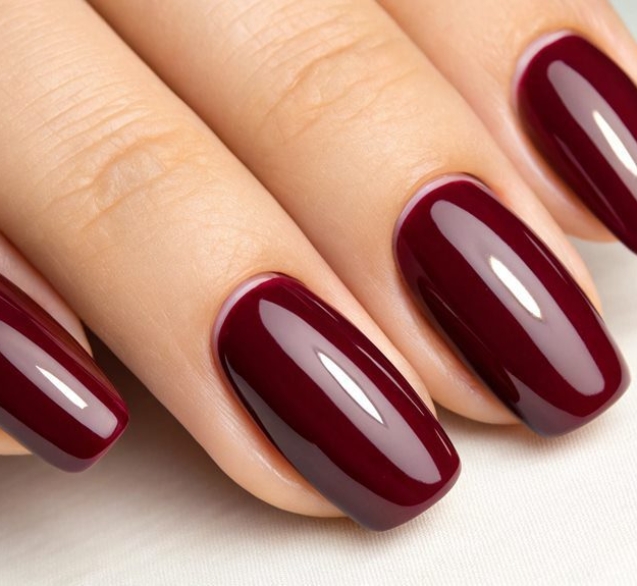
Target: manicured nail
[
  {"x": 332, "y": 404},
  {"x": 53, "y": 398},
  {"x": 580, "y": 109},
  {"x": 508, "y": 306}
]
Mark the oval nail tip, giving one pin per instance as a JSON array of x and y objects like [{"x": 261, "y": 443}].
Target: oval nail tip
[
  {"x": 557, "y": 423},
  {"x": 382, "y": 518},
  {"x": 78, "y": 459},
  {"x": 75, "y": 464},
  {"x": 83, "y": 462},
  {"x": 393, "y": 497},
  {"x": 561, "y": 409},
  {"x": 92, "y": 447},
  {"x": 567, "y": 408}
]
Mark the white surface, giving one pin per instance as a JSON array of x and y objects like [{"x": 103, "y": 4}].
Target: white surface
[{"x": 158, "y": 512}]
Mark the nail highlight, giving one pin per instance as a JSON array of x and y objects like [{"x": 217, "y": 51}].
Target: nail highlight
[
  {"x": 580, "y": 110},
  {"x": 508, "y": 306},
  {"x": 53, "y": 397},
  {"x": 332, "y": 403}
]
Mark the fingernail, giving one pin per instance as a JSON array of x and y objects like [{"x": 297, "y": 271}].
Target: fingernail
[
  {"x": 53, "y": 398},
  {"x": 332, "y": 404},
  {"x": 508, "y": 306},
  {"x": 580, "y": 110}
]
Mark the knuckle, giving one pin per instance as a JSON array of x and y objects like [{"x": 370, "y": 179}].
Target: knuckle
[
  {"x": 131, "y": 161},
  {"x": 322, "y": 71},
  {"x": 139, "y": 179}
]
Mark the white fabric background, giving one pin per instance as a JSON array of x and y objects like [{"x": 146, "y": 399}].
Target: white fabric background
[{"x": 158, "y": 512}]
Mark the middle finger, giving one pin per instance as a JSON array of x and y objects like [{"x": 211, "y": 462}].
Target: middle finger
[{"x": 342, "y": 118}]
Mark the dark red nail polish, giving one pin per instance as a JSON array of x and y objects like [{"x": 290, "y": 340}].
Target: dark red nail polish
[
  {"x": 580, "y": 109},
  {"x": 508, "y": 306},
  {"x": 53, "y": 397},
  {"x": 333, "y": 405}
]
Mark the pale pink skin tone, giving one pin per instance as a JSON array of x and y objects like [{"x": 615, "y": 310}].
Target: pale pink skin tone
[{"x": 129, "y": 141}]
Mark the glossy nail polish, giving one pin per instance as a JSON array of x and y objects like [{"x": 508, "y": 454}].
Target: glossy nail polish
[
  {"x": 53, "y": 398},
  {"x": 580, "y": 109},
  {"x": 508, "y": 306},
  {"x": 332, "y": 404}
]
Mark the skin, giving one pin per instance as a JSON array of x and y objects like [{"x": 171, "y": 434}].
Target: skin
[
  {"x": 497, "y": 40},
  {"x": 268, "y": 82},
  {"x": 245, "y": 167}
]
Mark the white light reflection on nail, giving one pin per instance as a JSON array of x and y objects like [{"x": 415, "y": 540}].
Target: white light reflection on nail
[
  {"x": 515, "y": 287},
  {"x": 599, "y": 121},
  {"x": 349, "y": 385},
  {"x": 615, "y": 143},
  {"x": 57, "y": 383},
  {"x": 69, "y": 393}
]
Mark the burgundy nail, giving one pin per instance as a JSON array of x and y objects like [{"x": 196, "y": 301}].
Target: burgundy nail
[
  {"x": 332, "y": 404},
  {"x": 580, "y": 109},
  {"x": 508, "y": 306},
  {"x": 53, "y": 397}
]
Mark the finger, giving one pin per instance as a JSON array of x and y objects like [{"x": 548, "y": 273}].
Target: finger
[
  {"x": 483, "y": 49},
  {"x": 170, "y": 224},
  {"x": 15, "y": 268},
  {"x": 343, "y": 145},
  {"x": 54, "y": 400}
]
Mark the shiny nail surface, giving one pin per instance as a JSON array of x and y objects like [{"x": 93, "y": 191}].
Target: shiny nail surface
[
  {"x": 580, "y": 109},
  {"x": 53, "y": 398},
  {"x": 333, "y": 405},
  {"x": 508, "y": 306}
]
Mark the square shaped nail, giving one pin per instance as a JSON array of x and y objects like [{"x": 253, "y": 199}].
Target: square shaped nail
[
  {"x": 508, "y": 306},
  {"x": 332, "y": 403}
]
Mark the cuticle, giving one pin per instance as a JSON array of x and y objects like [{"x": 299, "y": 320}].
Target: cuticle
[
  {"x": 530, "y": 51},
  {"x": 427, "y": 187}
]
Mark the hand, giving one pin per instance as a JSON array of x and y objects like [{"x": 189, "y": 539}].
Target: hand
[{"x": 289, "y": 137}]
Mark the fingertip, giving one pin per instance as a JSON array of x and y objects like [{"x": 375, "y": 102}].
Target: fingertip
[{"x": 10, "y": 447}]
